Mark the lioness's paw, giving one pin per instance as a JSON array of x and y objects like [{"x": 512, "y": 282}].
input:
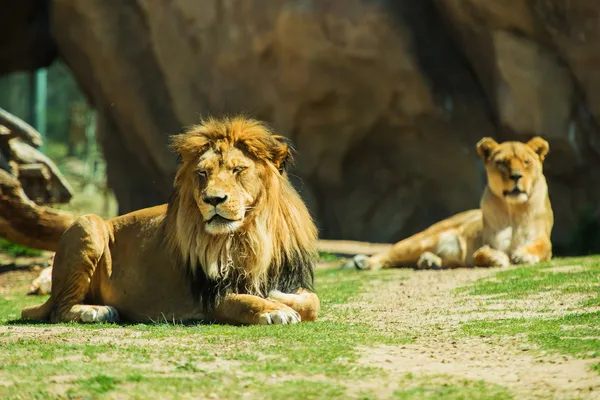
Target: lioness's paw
[
  {"x": 487, "y": 257},
  {"x": 429, "y": 260},
  {"x": 523, "y": 257},
  {"x": 362, "y": 261},
  {"x": 359, "y": 262},
  {"x": 99, "y": 314},
  {"x": 283, "y": 316}
]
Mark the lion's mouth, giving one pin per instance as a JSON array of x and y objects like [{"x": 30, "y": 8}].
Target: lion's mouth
[
  {"x": 220, "y": 220},
  {"x": 514, "y": 192}
]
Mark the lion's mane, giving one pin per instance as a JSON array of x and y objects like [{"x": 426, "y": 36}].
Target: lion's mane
[{"x": 276, "y": 247}]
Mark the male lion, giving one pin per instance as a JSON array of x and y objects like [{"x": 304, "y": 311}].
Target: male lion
[
  {"x": 513, "y": 223},
  {"x": 234, "y": 232}
]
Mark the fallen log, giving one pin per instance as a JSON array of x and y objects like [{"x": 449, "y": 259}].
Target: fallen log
[
  {"x": 19, "y": 128},
  {"x": 24, "y": 222},
  {"x": 351, "y": 248}
]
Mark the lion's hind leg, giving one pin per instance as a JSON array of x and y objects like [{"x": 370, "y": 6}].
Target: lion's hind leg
[
  {"x": 305, "y": 303},
  {"x": 81, "y": 250}
]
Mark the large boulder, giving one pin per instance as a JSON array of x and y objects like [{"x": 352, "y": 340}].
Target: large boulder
[
  {"x": 25, "y": 40},
  {"x": 384, "y": 100}
]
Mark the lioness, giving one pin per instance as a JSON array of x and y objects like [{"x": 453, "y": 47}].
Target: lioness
[
  {"x": 513, "y": 224},
  {"x": 235, "y": 243}
]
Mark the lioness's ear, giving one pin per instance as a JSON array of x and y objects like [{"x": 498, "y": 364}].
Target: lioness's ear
[
  {"x": 540, "y": 146},
  {"x": 485, "y": 147},
  {"x": 281, "y": 153}
]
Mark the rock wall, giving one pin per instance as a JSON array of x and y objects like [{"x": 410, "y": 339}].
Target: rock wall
[{"x": 384, "y": 100}]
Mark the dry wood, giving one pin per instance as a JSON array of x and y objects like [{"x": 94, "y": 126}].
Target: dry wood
[
  {"x": 350, "y": 248},
  {"x": 19, "y": 128},
  {"x": 25, "y": 223},
  {"x": 54, "y": 189}
]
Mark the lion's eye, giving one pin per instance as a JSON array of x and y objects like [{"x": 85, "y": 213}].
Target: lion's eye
[
  {"x": 202, "y": 174},
  {"x": 500, "y": 163},
  {"x": 238, "y": 169},
  {"x": 526, "y": 163}
]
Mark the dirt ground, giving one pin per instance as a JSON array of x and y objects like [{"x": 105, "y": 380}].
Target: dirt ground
[{"x": 426, "y": 306}]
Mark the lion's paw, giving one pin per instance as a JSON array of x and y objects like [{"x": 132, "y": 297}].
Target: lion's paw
[
  {"x": 282, "y": 316},
  {"x": 524, "y": 257},
  {"x": 429, "y": 260},
  {"x": 95, "y": 314}
]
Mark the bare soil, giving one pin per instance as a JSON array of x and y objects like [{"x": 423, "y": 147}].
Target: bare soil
[{"x": 427, "y": 304}]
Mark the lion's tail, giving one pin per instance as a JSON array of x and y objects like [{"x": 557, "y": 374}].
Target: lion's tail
[{"x": 41, "y": 312}]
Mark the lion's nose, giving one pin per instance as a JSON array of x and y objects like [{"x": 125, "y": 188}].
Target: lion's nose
[
  {"x": 215, "y": 200},
  {"x": 515, "y": 176}
]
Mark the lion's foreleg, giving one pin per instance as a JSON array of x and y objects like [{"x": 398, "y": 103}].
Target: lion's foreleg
[
  {"x": 253, "y": 310},
  {"x": 80, "y": 251},
  {"x": 539, "y": 250},
  {"x": 306, "y": 303}
]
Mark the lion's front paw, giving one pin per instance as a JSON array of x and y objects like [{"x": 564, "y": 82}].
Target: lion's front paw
[
  {"x": 283, "y": 315},
  {"x": 429, "y": 260},
  {"x": 93, "y": 314},
  {"x": 524, "y": 257}
]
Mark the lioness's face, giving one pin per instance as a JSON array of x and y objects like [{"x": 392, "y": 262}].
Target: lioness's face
[
  {"x": 228, "y": 183},
  {"x": 513, "y": 167}
]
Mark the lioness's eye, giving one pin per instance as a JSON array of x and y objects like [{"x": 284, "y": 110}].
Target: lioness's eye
[
  {"x": 526, "y": 163},
  {"x": 202, "y": 174},
  {"x": 500, "y": 163},
  {"x": 238, "y": 169}
]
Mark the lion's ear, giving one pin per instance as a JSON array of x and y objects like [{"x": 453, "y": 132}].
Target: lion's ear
[
  {"x": 281, "y": 153},
  {"x": 188, "y": 145},
  {"x": 485, "y": 147},
  {"x": 540, "y": 146}
]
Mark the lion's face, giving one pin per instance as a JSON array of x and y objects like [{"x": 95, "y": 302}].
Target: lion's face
[
  {"x": 513, "y": 167},
  {"x": 227, "y": 185},
  {"x": 227, "y": 165}
]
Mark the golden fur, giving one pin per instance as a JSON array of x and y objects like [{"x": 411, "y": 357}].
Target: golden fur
[
  {"x": 512, "y": 225},
  {"x": 235, "y": 244}
]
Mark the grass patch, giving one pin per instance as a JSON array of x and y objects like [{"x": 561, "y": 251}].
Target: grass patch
[
  {"x": 16, "y": 250},
  {"x": 525, "y": 281},
  {"x": 328, "y": 257},
  {"x": 308, "y": 360},
  {"x": 95, "y": 385},
  {"x": 449, "y": 388},
  {"x": 576, "y": 333}
]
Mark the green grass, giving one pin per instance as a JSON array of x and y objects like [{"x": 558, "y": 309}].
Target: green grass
[
  {"x": 304, "y": 361},
  {"x": 307, "y": 360},
  {"x": 16, "y": 250},
  {"x": 573, "y": 332},
  {"x": 447, "y": 388},
  {"x": 328, "y": 257},
  {"x": 528, "y": 280}
]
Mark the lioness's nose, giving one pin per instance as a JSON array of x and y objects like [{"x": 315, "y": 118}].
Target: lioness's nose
[
  {"x": 215, "y": 200},
  {"x": 515, "y": 176}
]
